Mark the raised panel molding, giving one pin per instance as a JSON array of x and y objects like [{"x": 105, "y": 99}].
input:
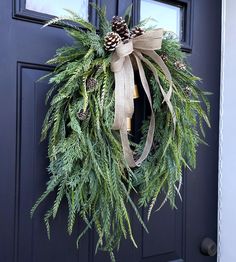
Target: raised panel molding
[
  {"x": 165, "y": 240},
  {"x": 162, "y": 224},
  {"x": 31, "y": 243}
]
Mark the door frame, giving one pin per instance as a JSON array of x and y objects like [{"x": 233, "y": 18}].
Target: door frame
[{"x": 227, "y": 141}]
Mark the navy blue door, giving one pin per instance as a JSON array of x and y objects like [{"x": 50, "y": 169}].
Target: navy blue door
[{"x": 24, "y": 48}]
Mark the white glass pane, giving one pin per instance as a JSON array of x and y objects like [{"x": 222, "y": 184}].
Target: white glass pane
[
  {"x": 56, "y": 7},
  {"x": 167, "y": 16}
]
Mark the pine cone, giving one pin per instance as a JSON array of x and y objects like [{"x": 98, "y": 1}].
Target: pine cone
[
  {"x": 111, "y": 41},
  {"x": 91, "y": 84},
  {"x": 179, "y": 65},
  {"x": 120, "y": 27},
  {"x": 164, "y": 57},
  {"x": 136, "y": 31},
  {"x": 83, "y": 115},
  {"x": 187, "y": 91}
]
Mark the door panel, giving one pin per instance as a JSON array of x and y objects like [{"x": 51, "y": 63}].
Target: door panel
[
  {"x": 32, "y": 176},
  {"x": 165, "y": 236},
  {"x": 174, "y": 235}
]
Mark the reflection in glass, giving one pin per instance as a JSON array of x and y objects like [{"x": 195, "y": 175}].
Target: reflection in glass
[
  {"x": 166, "y": 16},
  {"x": 56, "y": 7}
]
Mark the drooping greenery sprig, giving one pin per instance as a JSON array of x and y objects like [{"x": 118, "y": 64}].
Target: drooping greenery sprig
[{"x": 87, "y": 166}]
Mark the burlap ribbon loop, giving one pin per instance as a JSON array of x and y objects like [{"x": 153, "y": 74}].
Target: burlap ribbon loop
[{"x": 122, "y": 67}]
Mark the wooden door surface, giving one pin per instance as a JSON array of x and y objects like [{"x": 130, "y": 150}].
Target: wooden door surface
[{"x": 174, "y": 235}]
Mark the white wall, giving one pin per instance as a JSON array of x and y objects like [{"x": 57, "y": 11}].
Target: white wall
[{"x": 227, "y": 164}]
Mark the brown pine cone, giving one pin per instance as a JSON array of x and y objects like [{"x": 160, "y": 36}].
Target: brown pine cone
[
  {"x": 187, "y": 91},
  {"x": 111, "y": 41},
  {"x": 164, "y": 57},
  {"x": 83, "y": 115},
  {"x": 179, "y": 65},
  {"x": 136, "y": 31},
  {"x": 91, "y": 84},
  {"x": 120, "y": 27}
]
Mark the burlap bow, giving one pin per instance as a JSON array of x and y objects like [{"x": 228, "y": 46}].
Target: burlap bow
[{"x": 122, "y": 67}]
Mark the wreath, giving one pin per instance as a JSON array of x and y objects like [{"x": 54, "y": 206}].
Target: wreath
[{"x": 94, "y": 163}]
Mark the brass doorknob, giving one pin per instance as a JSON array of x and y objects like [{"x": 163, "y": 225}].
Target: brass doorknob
[{"x": 208, "y": 247}]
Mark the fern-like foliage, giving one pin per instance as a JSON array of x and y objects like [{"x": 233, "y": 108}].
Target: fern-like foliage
[
  {"x": 87, "y": 167},
  {"x": 173, "y": 151}
]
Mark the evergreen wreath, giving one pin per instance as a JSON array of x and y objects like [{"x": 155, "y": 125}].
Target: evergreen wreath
[{"x": 87, "y": 165}]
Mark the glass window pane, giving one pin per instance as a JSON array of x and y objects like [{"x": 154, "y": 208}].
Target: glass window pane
[
  {"x": 56, "y": 7},
  {"x": 166, "y": 16}
]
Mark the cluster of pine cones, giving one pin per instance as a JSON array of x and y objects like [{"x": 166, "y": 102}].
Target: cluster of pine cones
[{"x": 120, "y": 32}]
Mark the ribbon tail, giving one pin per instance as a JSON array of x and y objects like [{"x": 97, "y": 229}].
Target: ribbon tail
[
  {"x": 124, "y": 104},
  {"x": 128, "y": 76},
  {"x": 156, "y": 58},
  {"x": 128, "y": 111},
  {"x": 151, "y": 129},
  {"x": 166, "y": 96},
  {"x": 129, "y": 87},
  {"x": 124, "y": 85},
  {"x": 119, "y": 100}
]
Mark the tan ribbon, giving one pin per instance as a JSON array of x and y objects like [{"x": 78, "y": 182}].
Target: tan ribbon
[{"x": 122, "y": 67}]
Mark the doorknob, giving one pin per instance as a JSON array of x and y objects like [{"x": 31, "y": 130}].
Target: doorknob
[{"x": 208, "y": 247}]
